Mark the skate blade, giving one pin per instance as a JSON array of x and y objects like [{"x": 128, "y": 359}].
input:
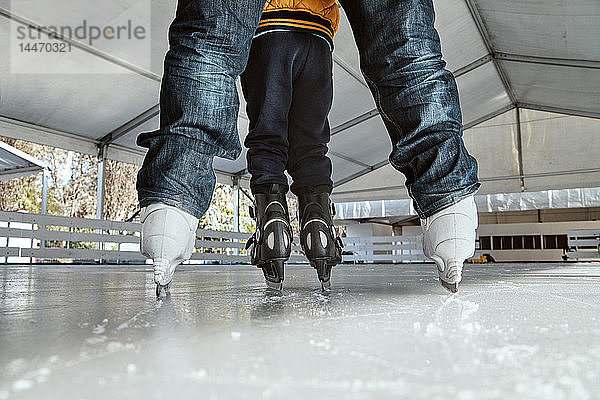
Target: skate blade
[
  {"x": 324, "y": 274},
  {"x": 163, "y": 290},
  {"x": 451, "y": 287},
  {"x": 278, "y": 286},
  {"x": 273, "y": 272}
]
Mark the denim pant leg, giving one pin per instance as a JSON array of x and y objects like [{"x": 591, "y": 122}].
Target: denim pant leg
[
  {"x": 417, "y": 98},
  {"x": 209, "y": 41}
]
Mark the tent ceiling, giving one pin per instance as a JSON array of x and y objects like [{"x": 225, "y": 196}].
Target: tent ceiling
[
  {"x": 577, "y": 89},
  {"x": 552, "y": 28},
  {"x": 506, "y": 55}
]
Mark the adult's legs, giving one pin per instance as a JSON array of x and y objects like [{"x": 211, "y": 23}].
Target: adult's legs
[
  {"x": 209, "y": 44},
  {"x": 417, "y": 98}
]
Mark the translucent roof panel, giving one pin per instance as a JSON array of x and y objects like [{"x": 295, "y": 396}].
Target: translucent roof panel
[
  {"x": 551, "y": 28},
  {"x": 345, "y": 87},
  {"x": 136, "y": 28},
  {"x": 79, "y": 93},
  {"x": 494, "y": 146},
  {"x": 461, "y": 42},
  {"x": 481, "y": 93},
  {"x": 345, "y": 48},
  {"x": 367, "y": 142},
  {"x": 549, "y": 150},
  {"x": 383, "y": 183},
  {"x": 550, "y": 85},
  {"x": 343, "y": 168},
  {"x": 129, "y": 139}
]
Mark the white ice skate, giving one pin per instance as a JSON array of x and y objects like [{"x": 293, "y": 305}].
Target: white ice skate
[
  {"x": 449, "y": 239},
  {"x": 168, "y": 238}
]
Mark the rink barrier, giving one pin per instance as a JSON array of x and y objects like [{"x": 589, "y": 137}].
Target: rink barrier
[
  {"x": 584, "y": 244},
  {"x": 384, "y": 249},
  {"x": 29, "y": 238}
]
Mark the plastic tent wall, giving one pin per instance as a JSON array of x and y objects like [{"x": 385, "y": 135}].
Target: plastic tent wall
[{"x": 528, "y": 75}]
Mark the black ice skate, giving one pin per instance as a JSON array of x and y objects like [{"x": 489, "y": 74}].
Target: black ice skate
[
  {"x": 320, "y": 242},
  {"x": 272, "y": 241}
]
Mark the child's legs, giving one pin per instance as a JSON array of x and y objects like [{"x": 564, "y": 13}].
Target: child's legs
[
  {"x": 267, "y": 86},
  {"x": 308, "y": 131}
]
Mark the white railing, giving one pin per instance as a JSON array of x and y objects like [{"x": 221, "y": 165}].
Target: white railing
[
  {"x": 34, "y": 237},
  {"x": 584, "y": 244},
  {"x": 26, "y": 238},
  {"x": 377, "y": 249}
]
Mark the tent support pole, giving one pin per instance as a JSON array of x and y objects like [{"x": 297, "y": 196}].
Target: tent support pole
[{"x": 520, "y": 148}]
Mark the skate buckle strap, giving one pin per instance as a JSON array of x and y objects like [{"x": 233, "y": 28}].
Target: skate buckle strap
[{"x": 250, "y": 242}]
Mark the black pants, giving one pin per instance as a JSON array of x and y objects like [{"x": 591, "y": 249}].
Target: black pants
[{"x": 288, "y": 86}]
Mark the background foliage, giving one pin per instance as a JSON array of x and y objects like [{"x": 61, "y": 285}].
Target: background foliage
[{"x": 72, "y": 189}]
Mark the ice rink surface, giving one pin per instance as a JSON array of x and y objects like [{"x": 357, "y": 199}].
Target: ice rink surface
[{"x": 514, "y": 331}]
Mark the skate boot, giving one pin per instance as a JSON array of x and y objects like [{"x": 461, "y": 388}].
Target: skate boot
[
  {"x": 168, "y": 238},
  {"x": 272, "y": 242},
  {"x": 320, "y": 242},
  {"x": 449, "y": 239}
]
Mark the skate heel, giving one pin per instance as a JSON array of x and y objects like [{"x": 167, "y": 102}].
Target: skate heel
[
  {"x": 271, "y": 244},
  {"x": 320, "y": 242},
  {"x": 276, "y": 243},
  {"x": 168, "y": 237},
  {"x": 317, "y": 239},
  {"x": 449, "y": 239},
  {"x": 274, "y": 248}
]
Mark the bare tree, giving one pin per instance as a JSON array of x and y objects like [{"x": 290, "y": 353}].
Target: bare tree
[
  {"x": 120, "y": 195},
  {"x": 72, "y": 186}
]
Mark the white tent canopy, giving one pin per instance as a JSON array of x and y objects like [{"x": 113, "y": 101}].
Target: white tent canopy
[{"x": 528, "y": 75}]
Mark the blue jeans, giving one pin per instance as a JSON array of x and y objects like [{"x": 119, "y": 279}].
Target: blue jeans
[{"x": 402, "y": 64}]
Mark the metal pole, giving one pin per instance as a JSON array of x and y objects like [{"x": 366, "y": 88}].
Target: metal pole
[
  {"x": 45, "y": 177},
  {"x": 520, "y": 149},
  {"x": 100, "y": 190},
  {"x": 45, "y": 191},
  {"x": 100, "y": 186},
  {"x": 236, "y": 208}
]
